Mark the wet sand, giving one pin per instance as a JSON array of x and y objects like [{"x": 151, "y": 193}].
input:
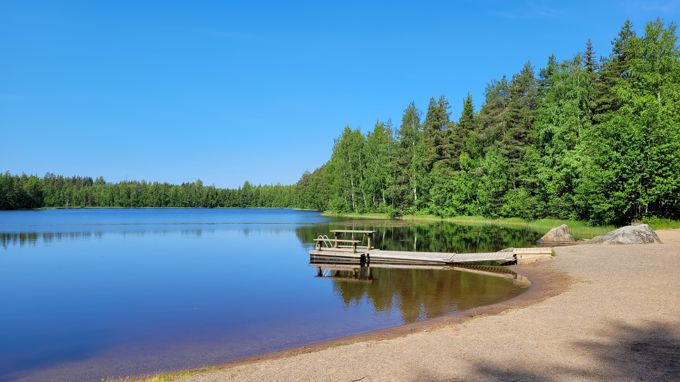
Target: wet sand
[{"x": 594, "y": 312}]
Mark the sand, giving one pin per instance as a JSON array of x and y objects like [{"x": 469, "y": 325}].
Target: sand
[{"x": 596, "y": 312}]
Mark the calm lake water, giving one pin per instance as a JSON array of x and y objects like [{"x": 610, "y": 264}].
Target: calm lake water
[{"x": 95, "y": 293}]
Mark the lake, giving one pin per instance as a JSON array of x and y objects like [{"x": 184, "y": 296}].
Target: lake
[{"x": 94, "y": 293}]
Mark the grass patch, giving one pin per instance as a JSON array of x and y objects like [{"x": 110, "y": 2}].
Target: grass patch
[
  {"x": 580, "y": 229},
  {"x": 165, "y": 377},
  {"x": 659, "y": 223},
  {"x": 355, "y": 215}
]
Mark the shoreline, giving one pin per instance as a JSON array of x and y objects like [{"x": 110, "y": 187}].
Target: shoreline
[
  {"x": 545, "y": 282},
  {"x": 595, "y": 312},
  {"x": 580, "y": 229}
]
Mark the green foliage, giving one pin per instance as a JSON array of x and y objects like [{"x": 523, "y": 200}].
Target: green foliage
[
  {"x": 346, "y": 170},
  {"x": 311, "y": 191},
  {"x": 378, "y": 176},
  {"x": 438, "y": 131},
  {"x": 519, "y": 118},
  {"x": 23, "y": 192},
  {"x": 563, "y": 119},
  {"x": 597, "y": 140},
  {"x": 492, "y": 116},
  {"x": 493, "y": 183},
  {"x": 408, "y": 163},
  {"x": 467, "y": 136},
  {"x": 633, "y": 166}
]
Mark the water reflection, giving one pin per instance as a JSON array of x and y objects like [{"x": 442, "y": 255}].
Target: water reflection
[
  {"x": 20, "y": 239},
  {"x": 432, "y": 237},
  {"x": 184, "y": 288},
  {"x": 422, "y": 292},
  {"x": 33, "y": 238}
]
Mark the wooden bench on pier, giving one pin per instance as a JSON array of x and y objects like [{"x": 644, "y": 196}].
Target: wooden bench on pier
[
  {"x": 369, "y": 235},
  {"x": 323, "y": 242},
  {"x": 336, "y": 243}
]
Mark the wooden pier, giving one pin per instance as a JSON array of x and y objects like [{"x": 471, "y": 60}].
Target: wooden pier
[{"x": 338, "y": 250}]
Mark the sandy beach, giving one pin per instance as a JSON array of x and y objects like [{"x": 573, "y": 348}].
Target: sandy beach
[{"x": 595, "y": 312}]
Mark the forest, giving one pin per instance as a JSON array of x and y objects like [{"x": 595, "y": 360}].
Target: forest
[
  {"x": 587, "y": 138},
  {"x": 25, "y": 192},
  {"x": 593, "y": 138}
]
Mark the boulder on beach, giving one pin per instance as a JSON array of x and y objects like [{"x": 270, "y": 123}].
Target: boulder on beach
[
  {"x": 632, "y": 234},
  {"x": 557, "y": 235}
]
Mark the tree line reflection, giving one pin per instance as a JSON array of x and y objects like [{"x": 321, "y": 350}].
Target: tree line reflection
[
  {"x": 20, "y": 239},
  {"x": 424, "y": 293},
  {"x": 434, "y": 237},
  {"x": 415, "y": 293}
]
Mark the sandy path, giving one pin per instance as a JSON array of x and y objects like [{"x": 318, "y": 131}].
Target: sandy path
[{"x": 618, "y": 320}]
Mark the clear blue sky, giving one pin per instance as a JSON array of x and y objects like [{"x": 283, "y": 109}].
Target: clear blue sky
[{"x": 228, "y": 91}]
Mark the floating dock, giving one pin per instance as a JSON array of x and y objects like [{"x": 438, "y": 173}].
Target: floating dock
[{"x": 349, "y": 251}]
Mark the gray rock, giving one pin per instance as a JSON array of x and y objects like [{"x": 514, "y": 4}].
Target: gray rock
[
  {"x": 632, "y": 234},
  {"x": 557, "y": 235}
]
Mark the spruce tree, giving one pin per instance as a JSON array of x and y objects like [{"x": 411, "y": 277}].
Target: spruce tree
[
  {"x": 545, "y": 76},
  {"x": 589, "y": 58},
  {"x": 467, "y": 131},
  {"x": 519, "y": 118},
  {"x": 437, "y": 130},
  {"x": 409, "y": 162},
  {"x": 614, "y": 69},
  {"x": 492, "y": 121}
]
